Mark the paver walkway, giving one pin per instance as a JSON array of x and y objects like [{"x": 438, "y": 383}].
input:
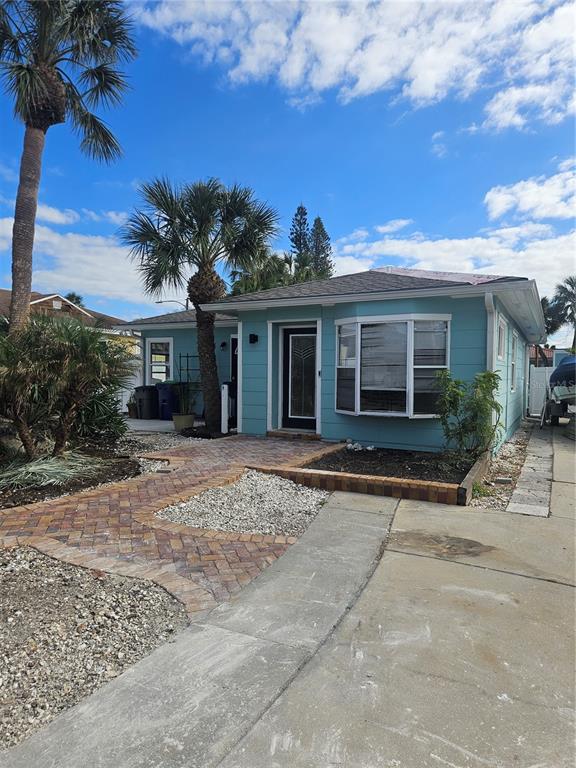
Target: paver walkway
[{"x": 113, "y": 528}]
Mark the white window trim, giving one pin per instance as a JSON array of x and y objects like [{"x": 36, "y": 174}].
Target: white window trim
[
  {"x": 504, "y": 325},
  {"x": 514, "y": 362},
  {"x": 154, "y": 340},
  {"x": 291, "y": 323},
  {"x": 369, "y": 320}
]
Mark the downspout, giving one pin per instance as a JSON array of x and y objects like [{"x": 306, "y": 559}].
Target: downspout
[
  {"x": 490, "y": 337},
  {"x": 490, "y": 330}
]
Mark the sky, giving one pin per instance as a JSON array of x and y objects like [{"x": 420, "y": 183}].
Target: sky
[{"x": 425, "y": 134}]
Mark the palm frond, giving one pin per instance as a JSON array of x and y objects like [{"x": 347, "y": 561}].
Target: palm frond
[
  {"x": 104, "y": 85},
  {"x": 26, "y": 86},
  {"x": 96, "y": 139}
]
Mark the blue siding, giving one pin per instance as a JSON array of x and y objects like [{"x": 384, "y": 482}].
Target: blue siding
[
  {"x": 185, "y": 342},
  {"x": 467, "y": 358},
  {"x": 513, "y": 402}
]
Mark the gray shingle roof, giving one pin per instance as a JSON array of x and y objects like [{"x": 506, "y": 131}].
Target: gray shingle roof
[
  {"x": 184, "y": 316},
  {"x": 372, "y": 281}
]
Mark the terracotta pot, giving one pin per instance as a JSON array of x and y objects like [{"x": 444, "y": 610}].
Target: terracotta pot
[{"x": 183, "y": 421}]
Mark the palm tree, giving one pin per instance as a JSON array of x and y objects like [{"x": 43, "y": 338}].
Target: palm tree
[
  {"x": 564, "y": 302},
  {"x": 58, "y": 60},
  {"x": 268, "y": 270},
  {"x": 191, "y": 230},
  {"x": 552, "y": 320},
  {"x": 75, "y": 298}
]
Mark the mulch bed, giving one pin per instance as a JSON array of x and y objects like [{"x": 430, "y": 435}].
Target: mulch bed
[
  {"x": 203, "y": 433},
  {"x": 113, "y": 469},
  {"x": 385, "y": 462}
]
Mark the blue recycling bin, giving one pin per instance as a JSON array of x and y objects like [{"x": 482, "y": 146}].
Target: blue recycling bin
[{"x": 167, "y": 400}]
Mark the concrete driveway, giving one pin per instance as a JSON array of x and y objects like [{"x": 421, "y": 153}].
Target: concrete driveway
[{"x": 455, "y": 649}]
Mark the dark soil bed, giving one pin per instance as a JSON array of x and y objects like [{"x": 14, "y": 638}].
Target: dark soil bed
[
  {"x": 384, "y": 462},
  {"x": 203, "y": 433},
  {"x": 113, "y": 469}
]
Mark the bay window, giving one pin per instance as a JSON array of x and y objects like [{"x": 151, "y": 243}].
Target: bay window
[{"x": 388, "y": 366}]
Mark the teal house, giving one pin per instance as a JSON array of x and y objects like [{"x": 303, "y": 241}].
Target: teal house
[{"x": 355, "y": 357}]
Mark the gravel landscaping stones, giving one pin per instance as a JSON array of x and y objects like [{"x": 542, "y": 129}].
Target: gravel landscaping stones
[
  {"x": 257, "y": 503},
  {"x": 507, "y": 464},
  {"x": 64, "y": 631}
]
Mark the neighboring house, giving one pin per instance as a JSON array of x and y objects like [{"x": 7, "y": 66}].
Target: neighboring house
[
  {"x": 355, "y": 357},
  {"x": 54, "y": 305}
]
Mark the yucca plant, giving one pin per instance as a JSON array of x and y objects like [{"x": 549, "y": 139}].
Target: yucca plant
[
  {"x": 59, "y": 59},
  {"x": 198, "y": 228}
]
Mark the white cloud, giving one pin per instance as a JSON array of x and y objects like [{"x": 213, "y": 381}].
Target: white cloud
[
  {"x": 113, "y": 217},
  {"x": 8, "y": 174},
  {"x": 53, "y": 215},
  {"x": 552, "y": 197},
  {"x": 394, "y": 225},
  {"x": 439, "y": 148},
  {"x": 537, "y": 253},
  {"x": 520, "y": 53},
  {"x": 88, "y": 264}
]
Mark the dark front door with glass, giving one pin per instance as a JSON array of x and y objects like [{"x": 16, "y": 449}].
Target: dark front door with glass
[{"x": 299, "y": 378}]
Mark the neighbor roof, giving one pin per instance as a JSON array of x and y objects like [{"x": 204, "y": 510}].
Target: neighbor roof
[
  {"x": 383, "y": 280},
  {"x": 106, "y": 321}
]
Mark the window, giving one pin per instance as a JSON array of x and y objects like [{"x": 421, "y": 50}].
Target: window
[
  {"x": 513, "y": 366},
  {"x": 501, "y": 339},
  {"x": 388, "y": 366},
  {"x": 158, "y": 360}
]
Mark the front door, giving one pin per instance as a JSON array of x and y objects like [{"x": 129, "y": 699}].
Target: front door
[{"x": 299, "y": 378}]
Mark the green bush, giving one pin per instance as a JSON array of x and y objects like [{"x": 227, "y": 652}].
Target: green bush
[
  {"x": 100, "y": 419},
  {"x": 50, "y": 371},
  {"x": 469, "y": 412}
]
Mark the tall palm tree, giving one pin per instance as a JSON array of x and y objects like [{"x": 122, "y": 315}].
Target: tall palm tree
[
  {"x": 268, "y": 270},
  {"x": 181, "y": 236},
  {"x": 564, "y": 301},
  {"x": 58, "y": 60}
]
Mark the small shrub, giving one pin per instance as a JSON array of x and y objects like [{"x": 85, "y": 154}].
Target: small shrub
[
  {"x": 479, "y": 490},
  {"x": 47, "y": 470},
  {"x": 466, "y": 412}
]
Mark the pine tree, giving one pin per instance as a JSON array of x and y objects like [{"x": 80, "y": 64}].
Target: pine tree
[
  {"x": 321, "y": 250},
  {"x": 300, "y": 241}
]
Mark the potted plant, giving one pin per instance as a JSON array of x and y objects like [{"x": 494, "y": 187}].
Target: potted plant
[
  {"x": 183, "y": 418},
  {"x": 132, "y": 407}
]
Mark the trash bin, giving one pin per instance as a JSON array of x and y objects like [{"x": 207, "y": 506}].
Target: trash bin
[
  {"x": 146, "y": 402},
  {"x": 167, "y": 400}
]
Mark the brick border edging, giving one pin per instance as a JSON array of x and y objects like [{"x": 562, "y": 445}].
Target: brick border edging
[{"x": 399, "y": 488}]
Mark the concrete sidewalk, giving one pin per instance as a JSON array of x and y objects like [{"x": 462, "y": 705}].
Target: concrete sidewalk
[
  {"x": 459, "y": 652},
  {"x": 190, "y": 701}
]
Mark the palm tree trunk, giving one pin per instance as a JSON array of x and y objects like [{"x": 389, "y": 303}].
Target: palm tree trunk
[
  {"x": 574, "y": 340},
  {"x": 208, "y": 369},
  {"x": 24, "y": 223},
  {"x": 25, "y": 435}
]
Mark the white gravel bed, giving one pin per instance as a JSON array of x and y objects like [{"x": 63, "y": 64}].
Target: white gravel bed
[
  {"x": 147, "y": 466},
  {"x": 506, "y": 465},
  {"x": 140, "y": 442},
  {"x": 65, "y": 630},
  {"x": 257, "y": 503}
]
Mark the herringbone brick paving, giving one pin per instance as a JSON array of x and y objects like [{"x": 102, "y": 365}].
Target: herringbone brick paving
[{"x": 113, "y": 528}]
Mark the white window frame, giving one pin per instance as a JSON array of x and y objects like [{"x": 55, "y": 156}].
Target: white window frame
[
  {"x": 154, "y": 340},
  {"x": 502, "y": 326},
  {"x": 514, "y": 362},
  {"x": 410, "y": 319}
]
